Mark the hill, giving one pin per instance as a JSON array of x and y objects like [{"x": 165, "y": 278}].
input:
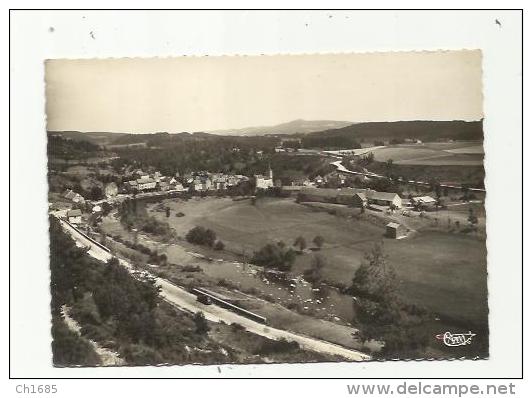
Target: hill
[
  {"x": 298, "y": 126},
  {"x": 418, "y": 129},
  {"x": 94, "y": 137}
]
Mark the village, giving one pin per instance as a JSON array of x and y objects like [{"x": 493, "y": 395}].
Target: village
[{"x": 139, "y": 184}]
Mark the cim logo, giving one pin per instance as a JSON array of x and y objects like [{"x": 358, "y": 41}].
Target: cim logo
[{"x": 456, "y": 339}]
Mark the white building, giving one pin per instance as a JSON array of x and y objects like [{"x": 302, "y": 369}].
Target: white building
[
  {"x": 144, "y": 184},
  {"x": 74, "y": 216},
  {"x": 264, "y": 182}
]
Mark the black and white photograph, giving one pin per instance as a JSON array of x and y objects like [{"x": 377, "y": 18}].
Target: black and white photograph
[
  {"x": 266, "y": 209},
  {"x": 317, "y": 202}
]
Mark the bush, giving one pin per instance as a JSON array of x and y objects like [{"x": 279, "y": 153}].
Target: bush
[
  {"x": 275, "y": 256},
  {"x": 219, "y": 245},
  {"x": 276, "y": 347},
  {"x": 237, "y": 327},
  {"x": 314, "y": 274},
  {"x": 202, "y": 327},
  {"x": 201, "y": 236},
  {"x": 319, "y": 241}
]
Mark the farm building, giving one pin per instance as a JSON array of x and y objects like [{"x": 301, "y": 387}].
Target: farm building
[
  {"x": 395, "y": 230},
  {"x": 74, "y": 216},
  {"x": 425, "y": 201},
  {"x": 325, "y": 195},
  {"x": 360, "y": 200},
  {"x": 350, "y": 196},
  {"x": 384, "y": 199}
]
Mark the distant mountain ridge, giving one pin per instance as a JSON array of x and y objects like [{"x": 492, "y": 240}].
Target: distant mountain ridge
[
  {"x": 426, "y": 130},
  {"x": 298, "y": 126},
  {"x": 420, "y": 129}
]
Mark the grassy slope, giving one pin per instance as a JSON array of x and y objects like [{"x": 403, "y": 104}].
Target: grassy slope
[{"x": 445, "y": 272}]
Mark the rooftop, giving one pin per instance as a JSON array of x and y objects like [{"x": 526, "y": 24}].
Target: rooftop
[{"x": 74, "y": 213}]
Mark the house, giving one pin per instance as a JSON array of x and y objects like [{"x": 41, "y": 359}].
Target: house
[
  {"x": 97, "y": 209},
  {"x": 164, "y": 186},
  {"x": 390, "y": 199},
  {"x": 74, "y": 216},
  {"x": 264, "y": 182},
  {"x": 111, "y": 190},
  {"x": 424, "y": 201},
  {"x": 74, "y": 196},
  {"x": 324, "y": 195},
  {"x": 202, "y": 184},
  {"x": 360, "y": 200},
  {"x": 176, "y": 185},
  {"x": 219, "y": 182},
  {"x": 145, "y": 184},
  {"x": 232, "y": 181},
  {"x": 395, "y": 230},
  {"x": 132, "y": 186}
]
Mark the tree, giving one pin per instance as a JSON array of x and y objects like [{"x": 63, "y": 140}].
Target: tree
[
  {"x": 380, "y": 314},
  {"x": 274, "y": 256},
  {"x": 301, "y": 243},
  {"x": 96, "y": 193},
  {"x": 319, "y": 241},
  {"x": 374, "y": 279},
  {"x": 219, "y": 245},
  {"x": 106, "y": 208},
  {"x": 202, "y": 327},
  {"x": 201, "y": 236},
  {"x": 315, "y": 274},
  {"x": 167, "y": 212}
]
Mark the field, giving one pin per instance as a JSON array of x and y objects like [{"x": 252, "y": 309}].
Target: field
[
  {"x": 437, "y": 154},
  {"x": 442, "y": 271}
]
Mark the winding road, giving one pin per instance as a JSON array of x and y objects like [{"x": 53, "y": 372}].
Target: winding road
[{"x": 184, "y": 300}]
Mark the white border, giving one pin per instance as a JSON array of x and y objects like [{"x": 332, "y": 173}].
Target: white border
[{"x": 130, "y": 34}]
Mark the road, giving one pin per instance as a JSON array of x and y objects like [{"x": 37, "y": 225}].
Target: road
[{"x": 186, "y": 301}]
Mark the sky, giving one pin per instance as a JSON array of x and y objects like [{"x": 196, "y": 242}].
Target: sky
[{"x": 144, "y": 95}]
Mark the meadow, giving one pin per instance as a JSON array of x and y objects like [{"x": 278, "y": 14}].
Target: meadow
[
  {"x": 438, "y": 153},
  {"x": 444, "y": 272}
]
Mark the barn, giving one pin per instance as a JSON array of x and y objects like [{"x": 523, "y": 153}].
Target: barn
[{"x": 395, "y": 230}]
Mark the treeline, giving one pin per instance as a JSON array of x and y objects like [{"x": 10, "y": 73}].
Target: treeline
[
  {"x": 186, "y": 157},
  {"x": 59, "y": 147},
  {"x": 331, "y": 140},
  {"x": 133, "y": 214},
  {"x": 418, "y": 129},
  {"x": 118, "y": 311}
]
